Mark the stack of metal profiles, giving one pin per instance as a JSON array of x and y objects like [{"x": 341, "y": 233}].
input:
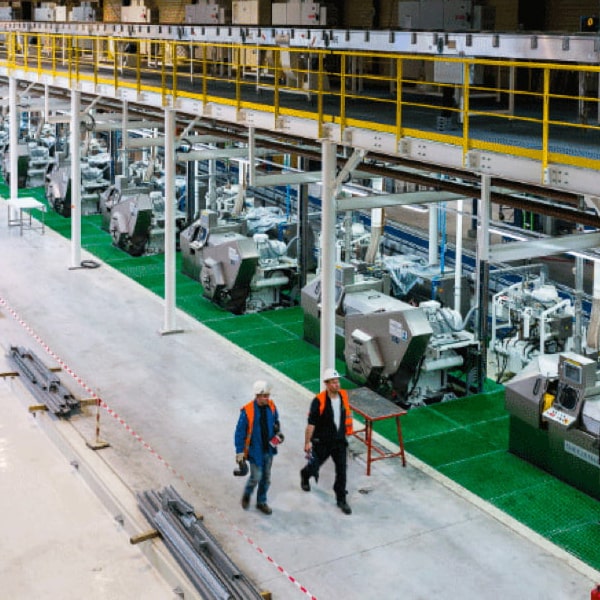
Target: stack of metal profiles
[
  {"x": 43, "y": 383},
  {"x": 210, "y": 570}
]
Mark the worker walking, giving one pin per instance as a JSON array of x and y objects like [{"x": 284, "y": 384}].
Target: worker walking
[
  {"x": 256, "y": 438},
  {"x": 329, "y": 422}
]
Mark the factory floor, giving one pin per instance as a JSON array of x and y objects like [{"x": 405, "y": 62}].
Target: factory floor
[{"x": 173, "y": 401}]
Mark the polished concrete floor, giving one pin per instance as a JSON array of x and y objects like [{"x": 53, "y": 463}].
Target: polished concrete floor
[{"x": 173, "y": 401}]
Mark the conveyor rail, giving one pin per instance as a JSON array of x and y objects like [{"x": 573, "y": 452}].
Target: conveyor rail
[
  {"x": 210, "y": 570},
  {"x": 43, "y": 383}
]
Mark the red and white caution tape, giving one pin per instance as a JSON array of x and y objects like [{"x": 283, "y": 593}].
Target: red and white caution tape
[{"x": 145, "y": 444}]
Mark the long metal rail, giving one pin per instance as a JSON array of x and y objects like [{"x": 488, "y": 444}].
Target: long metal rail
[
  {"x": 581, "y": 48},
  {"x": 207, "y": 565},
  {"x": 45, "y": 385}
]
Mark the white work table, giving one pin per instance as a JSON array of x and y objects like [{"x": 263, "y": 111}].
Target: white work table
[{"x": 24, "y": 220}]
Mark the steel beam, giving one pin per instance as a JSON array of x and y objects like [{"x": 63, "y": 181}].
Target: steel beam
[
  {"x": 543, "y": 247},
  {"x": 380, "y": 201},
  {"x": 291, "y": 178}
]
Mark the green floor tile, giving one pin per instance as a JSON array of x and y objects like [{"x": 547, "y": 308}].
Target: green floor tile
[
  {"x": 582, "y": 541},
  {"x": 448, "y": 448},
  {"x": 95, "y": 220},
  {"x": 138, "y": 271},
  {"x": 203, "y": 311},
  {"x": 242, "y": 323},
  {"x": 110, "y": 254},
  {"x": 301, "y": 370},
  {"x": 285, "y": 315},
  {"x": 496, "y": 474},
  {"x": 188, "y": 290},
  {"x": 550, "y": 507},
  {"x": 94, "y": 239},
  {"x": 293, "y": 350},
  {"x": 253, "y": 338},
  {"x": 421, "y": 423},
  {"x": 495, "y": 431},
  {"x": 154, "y": 282},
  {"x": 295, "y": 329},
  {"x": 482, "y": 407}
]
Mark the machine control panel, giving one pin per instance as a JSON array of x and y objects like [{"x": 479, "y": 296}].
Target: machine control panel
[
  {"x": 577, "y": 375},
  {"x": 559, "y": 416}
]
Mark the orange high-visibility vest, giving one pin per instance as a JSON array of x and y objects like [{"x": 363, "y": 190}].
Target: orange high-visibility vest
[
  {"x": 249, "y": 409},
  {"x": 322, "y": 397}
]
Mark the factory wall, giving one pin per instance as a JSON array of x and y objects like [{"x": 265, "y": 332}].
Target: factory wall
[
  {"x": 563, "y": 15},
  {"x": 510, "y": 15},
  {"x": 507, "y": 14}
]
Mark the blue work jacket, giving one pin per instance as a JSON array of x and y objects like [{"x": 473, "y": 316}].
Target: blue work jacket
[{"x": 255, "y": 448}]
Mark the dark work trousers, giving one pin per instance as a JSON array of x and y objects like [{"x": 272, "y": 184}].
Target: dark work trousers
[{"x": 320, "y": 453}]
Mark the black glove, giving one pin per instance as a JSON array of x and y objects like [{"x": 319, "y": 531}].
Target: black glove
[{"x": 242, "y": 469}]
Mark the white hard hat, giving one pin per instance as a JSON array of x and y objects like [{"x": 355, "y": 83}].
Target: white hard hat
[
  {"x": 261, "y": 387},
  {"x": 330, "y": 374}
]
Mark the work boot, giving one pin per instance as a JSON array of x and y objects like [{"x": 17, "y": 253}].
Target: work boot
[
  {"x": 304, "y": 483},
  {"x": 344, "y": 507},
  {"x": 245, "y": 501},
  {"x": 264, "y": 508}
]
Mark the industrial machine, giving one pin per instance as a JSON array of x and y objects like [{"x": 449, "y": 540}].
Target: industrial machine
[
  {"x": 129, "y": 218},
  {"x": 58, "y": 189},
  {"x": 529, "y": 319},
  {"x": 38, "y": 165},
  {"x": 554, "y": 408},
  {"x": 237, "y": 272},
  {"x": 415, "y": 281},
  {"x": 156, "y": 241},
  {"x": 135, "y": 217},
  {"x": 401, "y": 350}
]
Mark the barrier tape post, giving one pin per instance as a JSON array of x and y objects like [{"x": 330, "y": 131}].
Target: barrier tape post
[{"x": 98, "y": 443}]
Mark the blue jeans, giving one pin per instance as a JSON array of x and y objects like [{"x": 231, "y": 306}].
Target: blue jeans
[{"x": 261, "y": 476}]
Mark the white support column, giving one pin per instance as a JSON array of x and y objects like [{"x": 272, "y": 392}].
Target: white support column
[
  {"x": 482, "y": 281},
  {"x": 328, "y": 157},
  {"x": 485, "y": 208},
  {"x": 46, "y": 103},
  {"x": 251, "y": 155},
  {"x": 458, "y": 261},
  {"x": 14, "y": 116},
  {"x": 212, "y": 184},
  {"x": 124, "y": 138},
  {"x": 577, "y": 335},
  {"x": 483, "y": 237},
  {"x": 75, "y": 145},
  {"x": 169, "y": 313},
  {"x": 433, "y": 234}
]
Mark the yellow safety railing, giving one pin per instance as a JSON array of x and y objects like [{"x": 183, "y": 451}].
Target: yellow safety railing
[{"x": 527, "y": 109}]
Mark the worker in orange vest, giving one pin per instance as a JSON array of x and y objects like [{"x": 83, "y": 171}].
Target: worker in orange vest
[
  {"x": 329, "y": 422},
  {"x": 256, "y": 438}
]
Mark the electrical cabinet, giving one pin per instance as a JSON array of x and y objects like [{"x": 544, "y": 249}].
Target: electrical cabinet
[
  {"x": 136, "y": 13},
  {"x": 444, "y": 15},
  {"x": 250, "y": 12},
  {"x": 298, "y": 13},
  {"x": 209, "y": 13}
]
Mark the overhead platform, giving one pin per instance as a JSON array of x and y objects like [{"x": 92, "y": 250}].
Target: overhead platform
[
  {"x": 170, "y": 404},
  {"x": 455, "y": 100}
]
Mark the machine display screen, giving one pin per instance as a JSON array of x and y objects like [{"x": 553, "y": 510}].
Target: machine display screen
[{"x": 572, "y": 373}]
